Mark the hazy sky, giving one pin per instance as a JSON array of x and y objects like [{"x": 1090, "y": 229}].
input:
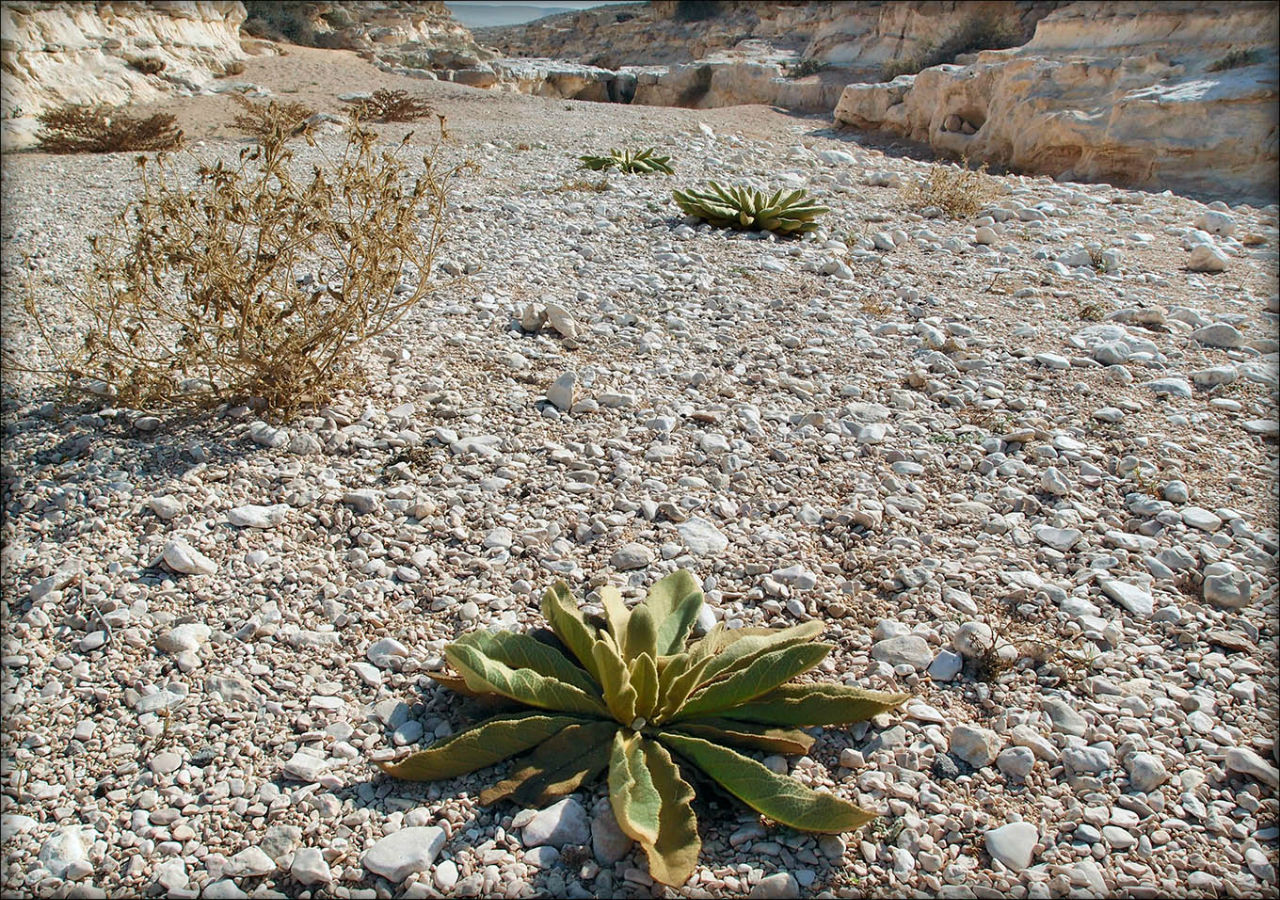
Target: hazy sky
[
  {"x": 574, "y": 4},
  {"x": 510, "y": 12}
]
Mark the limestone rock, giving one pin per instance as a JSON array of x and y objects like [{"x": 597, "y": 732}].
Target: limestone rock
[
  {"x": 976, "y": 746},
  {"x": 564, "y": 822},
  {"x": 1030, "y": 109},
  {"x": 400, "y": 854},
  {"x": 186, "y": 560},
  {"x": 76, "y": 53},
  {"x": 1013, "y": 844}
]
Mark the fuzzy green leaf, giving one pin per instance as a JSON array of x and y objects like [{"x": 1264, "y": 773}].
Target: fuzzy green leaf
[
  {"x": 615, "y": 613},
  {"x": 558, "y": 766},
  {"x": 675, "y": 602},
  {"x": 641, "y": 635},
  {"x": 568, "y": 624},
  {"x": 674, "y": 855},
  {"x": 779, "y": 797},
  {"x": 458, "y": 685},
  {"x": 764, "y": 673},
  {"x": 677, "y": 681},
  {"x": 644, "y": 681},
  {"x": 520, "y": 651},
  {"x": 619, "y": 695},
  {"x": 635, "y": 801},
  {"x": 816, "y": 704},
  {"x": 735, "y": 652},
  {"x": 489, "y": 742},
  {"x": 524, "y": 685},
  {"x": 748, "y": 735}
]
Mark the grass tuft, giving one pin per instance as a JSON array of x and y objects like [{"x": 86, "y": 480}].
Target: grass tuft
[{"x": 957, "y": 190}]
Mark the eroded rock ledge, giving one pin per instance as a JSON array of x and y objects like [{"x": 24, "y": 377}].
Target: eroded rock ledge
[{"x": 1118, "y": 92}]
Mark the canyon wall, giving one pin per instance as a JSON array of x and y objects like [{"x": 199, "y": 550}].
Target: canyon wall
[
  {"x": 861, "y": 33},
  {"x": 415, "y": 35},
  {"x": 1173, "y": 95},
  {"x": 110, "y": 52}
]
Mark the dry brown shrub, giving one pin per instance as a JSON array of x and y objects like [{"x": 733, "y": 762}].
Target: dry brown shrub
[
  {"x": 392, "y": 106},
  {"x": 1235, "y": 59},
  {"x": 263, "y": 120},
  {"x": 959, "y": 191},
  {"x": 104, "y": 129},
  {"x": 147, "y": 65},
  {"x": 255, "y": 283},
  {"x": 579, "y": 184}
]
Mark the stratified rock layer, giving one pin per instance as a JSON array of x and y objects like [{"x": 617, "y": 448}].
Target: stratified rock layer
[
  {"x": 116, "y": 53},
  {"x": 1117, "y": 92}
]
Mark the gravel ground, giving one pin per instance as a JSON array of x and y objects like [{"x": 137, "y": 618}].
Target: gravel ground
[{"x": 1033, "y": 484}]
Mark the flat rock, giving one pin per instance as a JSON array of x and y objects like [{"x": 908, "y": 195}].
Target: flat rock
[
  {"x": 1146, "y": 771},
  {"x": 306, "y": 765},
  {"x": 1170, "y": 387},
  {"x": 1226, "y": 586},
  {"x": 975, "y": 745},
  {"x": 166, "y": 507},
  {"x": 778, "y": 886},
  {"x": 909, "y": 649},
  {"x": 1065, "y": 719},
  {"x": 609, "y": 843},
  {"x": 631, "y": 556},
  {"x": 1200, "y": 518},
  {"x": 309, "y": 867},
  {"x": 1246, "y": 762},
  {"x": 186, "y": 560},
  {"x": 702, "y": 538},
  {"x": 187, "y": 637},
  {"x": 363, "y": 501},
  {"x": 1013, "y": 844},
  {"x": 1060, "y": 539},
  {"x": 400, "y": 854},
  {"x": 564, "y": 822},
  {"x": 250, "y": 862},
  {"x": 562, "y": 391},
  {"x": 63, "y": 850},
  {"x": 1131, "y": 597},
  {"x": 254, "y": 516},
  {"x": 384, "y": 652},
  {"x": 1207, "y": 258},
  {"x": 1219, "y": 334}
]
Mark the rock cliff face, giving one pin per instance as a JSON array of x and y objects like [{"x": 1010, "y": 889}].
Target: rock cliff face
[
  {"x": 863, "y": 33},
  {"x": 411, "y": 35},
  {"x": 729, "y": 53},
  {"x": 638, "y": 34},
  {"x": 116, "y": 53},
  {"x": 1172, "y": 95}
]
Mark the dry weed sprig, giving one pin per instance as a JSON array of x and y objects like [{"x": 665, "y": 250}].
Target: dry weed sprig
[
  {"x": 255, "y": 283},
  {"x": 392, "y": 106},
  {"x": 262, "y": 120},
  {"x": 103, "y": 129},
  {"x": 959, "y": 191}
]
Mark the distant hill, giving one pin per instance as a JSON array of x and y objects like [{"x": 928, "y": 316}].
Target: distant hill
[{"x": 489, "y": 15}]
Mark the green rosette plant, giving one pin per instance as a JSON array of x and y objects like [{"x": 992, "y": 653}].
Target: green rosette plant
[
  {"x": 630, "y": 162},
  {"x": 745, "y": 208},
  {"x": 630, "y": 694}
]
